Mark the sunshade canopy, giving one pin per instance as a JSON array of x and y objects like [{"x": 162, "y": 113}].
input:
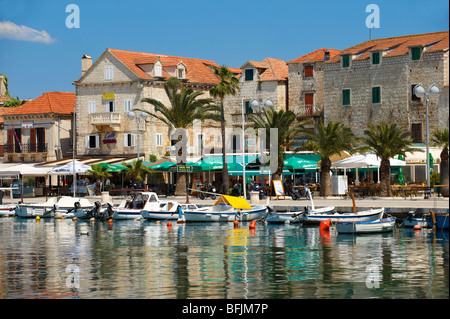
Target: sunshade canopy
[
  {"x": 364, "y": 160},
  {"x": 236, "y": 202},
  {"x": 70, "y": 168},
  {"x": 112, "y": 168},
  {"x": 23, "y": 169}
]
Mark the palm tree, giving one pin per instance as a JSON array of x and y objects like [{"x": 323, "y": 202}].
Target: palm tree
[
  {"x": 136, "y": 171},
  {"x": 440, "y": 138},
  {"x": 387, "y": 141},
  {"x": 283, "y": 121},
  {"x": 185, "y": 108},
  {"x": 328, "y": 140},
  {"x": 228, "y": 85},
  {"x": 98, "y": 172}
]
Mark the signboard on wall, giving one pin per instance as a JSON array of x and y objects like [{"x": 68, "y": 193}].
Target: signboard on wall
[
  {"x": 109, "y": 138},
  {"x": 108, "y": 95},
  {"x": 27, "y": 125}
]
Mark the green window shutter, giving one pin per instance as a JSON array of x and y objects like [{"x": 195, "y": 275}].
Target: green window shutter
[
  {"x": 248, "y": 109},
  {"x": 345, "y": 61},
  {"x": 248, "y": 74},
  {"x": 376, "y": 94},
  {"x": 376, "y": 58},
  {"x": 346, "y": 97},
  {"x": 415, "y": 54}
]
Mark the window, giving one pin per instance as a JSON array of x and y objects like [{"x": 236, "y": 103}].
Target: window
[
  {"x": 346, "y": 97},
  {"x": 158, "y": 139},
  {"x": 416, "y": 132},
  {"x": 309, "y": 71},
  {"x": 158, "y": 70},
  {"x": 181, "y": 73},
  {"x": 127, "y": 105},
  {"x": 248, "y": 108},
  {"x": 375, "y": 58},
  {"x": 414, "y": 97},
  {"x": 415, "y": 54},
  {"x": 91, "y": 107},
  {"x": 200, "y": 143},
  {"x": 309, "y": 104},
  {"x": 109, "y": 73},
  {"x": 129, "y": 139},
  {"x": 376, "y": 94},
  {"x": 345, "y": 61},
  {"x": 110, "y": 106},
  {"x": 92, "y": 141},
  {"x": 248, "y": 74}
]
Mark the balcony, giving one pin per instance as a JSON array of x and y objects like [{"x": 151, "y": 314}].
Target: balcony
[
  {"x": 309, "y": 111},
  {"x": 26, "y": 148},
  {"x": 105, "y": 118}
]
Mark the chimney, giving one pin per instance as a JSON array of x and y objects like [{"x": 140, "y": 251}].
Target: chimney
[
  {"x": 86, "y": 62},
  {"x": 2, "y": 85},
  {"x": 326, "y": 57}
]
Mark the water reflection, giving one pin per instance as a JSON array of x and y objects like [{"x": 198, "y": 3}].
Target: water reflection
[{"x": 135, "y": 259}]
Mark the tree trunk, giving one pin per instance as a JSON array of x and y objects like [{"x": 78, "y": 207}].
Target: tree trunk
[
  {"x": 444, "y": 179},
  {"x": 279, "y": 171},
  {"x": 180, "y": 189},
  {"x": 385, "y": 178},
  {"x": 98, "y": 190},
  {"x": 225, "y": 178},
  {"x": 325, "y": 180}
]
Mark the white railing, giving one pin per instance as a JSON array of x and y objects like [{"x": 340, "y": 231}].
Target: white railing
[{"x": 105, "y": 118}]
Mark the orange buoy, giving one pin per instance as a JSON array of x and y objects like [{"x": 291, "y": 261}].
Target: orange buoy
[
  {"x": 417, "y": 227},
  {"x": 325, "y": 224},
  {"x": 236, "y": 223},
  {"x": 169, "y": 224},
  {"x": 252, "y": 224},
  {"x": 110, "y": 220}
]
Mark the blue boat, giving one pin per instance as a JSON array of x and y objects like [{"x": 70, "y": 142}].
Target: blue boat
[{"x": 440, "y": 220}]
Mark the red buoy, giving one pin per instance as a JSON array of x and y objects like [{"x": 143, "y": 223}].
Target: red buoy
[
  {"x": 325, "y": 225},
  {"x": 252, "y": 224},
  {"x": 417, "y": 227},
  {"x": 169, "y": 224}
]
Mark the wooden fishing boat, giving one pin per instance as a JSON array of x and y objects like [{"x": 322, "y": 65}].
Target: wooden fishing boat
[
  {"x": 366, "y": 227},
  {"x": 226, "y": 209},
  {"x": 65, "y": 205},
  {"x": 437, "y": 220}
]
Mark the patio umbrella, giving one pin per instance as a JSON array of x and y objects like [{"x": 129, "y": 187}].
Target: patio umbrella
[
  {"x": 162, "y": 167},
  {"x": 112, "y": 168},
  {"x": 70, "y": 168},
  {"x": 23, "y": 169}
]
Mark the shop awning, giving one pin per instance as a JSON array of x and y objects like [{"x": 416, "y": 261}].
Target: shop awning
[
  {"x": 300, "y": 161},
  {"x": 162, "y": 167}
]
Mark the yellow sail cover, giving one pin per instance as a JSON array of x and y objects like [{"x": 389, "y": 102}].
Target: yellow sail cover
[{"x": 236, "y": 202}]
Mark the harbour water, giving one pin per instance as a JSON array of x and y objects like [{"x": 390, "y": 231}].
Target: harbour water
[{"x": 141, "y": 259}]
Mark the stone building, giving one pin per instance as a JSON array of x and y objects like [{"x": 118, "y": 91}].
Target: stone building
[
  {"x": 306, "y": 80},
  {"x": 39, "y": 130},
  {"x": 116, "y": 83},
  {"x": 373, "y": 82}
]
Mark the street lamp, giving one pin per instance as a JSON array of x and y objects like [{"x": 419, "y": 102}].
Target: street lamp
[
  {"x": 419, "y": 91},
  {"x": 132, "y": 115},
  {"x": 254, "y": 103}
]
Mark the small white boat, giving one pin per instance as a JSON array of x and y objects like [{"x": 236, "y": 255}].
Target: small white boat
[
  {"x": 367, "y": 215},
  {"x": 296, "y": 217},
  {"x": 7, "y": 210},
  {"x": 65, "y": 205},
  {"x": 366, "y": 227},
  {"x": 164, "y": 210},
  {"x": 148, "y": 206},
  {"x": 226, "y": 209}
]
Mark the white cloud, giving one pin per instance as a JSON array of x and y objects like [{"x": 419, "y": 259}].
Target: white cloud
[{"x": 10, "y": 30}]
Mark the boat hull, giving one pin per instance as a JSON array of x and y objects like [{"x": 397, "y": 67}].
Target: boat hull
[
  {"x": 295, "y": 217},
  {"x": 152, "y": 215},
  {"x": 316, "y": 218},
  {"x": 367, "y": 227},
  {"x": 7, "y": 210},
  {"x": 121, "y": 214},
  {"x": 441, "y": 220},
  {"x": 229, "y": 215},
  {"x": 415, "y": 221}
]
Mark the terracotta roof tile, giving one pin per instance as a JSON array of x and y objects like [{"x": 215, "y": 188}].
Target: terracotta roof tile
[
  {"x": 49, "y": 102},
  {"x": 397, "y": 45},
  {"x": 315, "y": 56},
  {"x": 270, "y": 69},
  {"x": 197, "y": 70}
]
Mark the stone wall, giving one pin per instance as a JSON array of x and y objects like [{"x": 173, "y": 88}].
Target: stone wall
[{"x": 395, "y": 76}]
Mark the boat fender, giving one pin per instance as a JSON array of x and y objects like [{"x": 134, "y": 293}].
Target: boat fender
[{"x": 325, "y": 224}]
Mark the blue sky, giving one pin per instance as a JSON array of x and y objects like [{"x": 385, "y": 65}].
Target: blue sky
[{"x": 229, "y": 32}]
